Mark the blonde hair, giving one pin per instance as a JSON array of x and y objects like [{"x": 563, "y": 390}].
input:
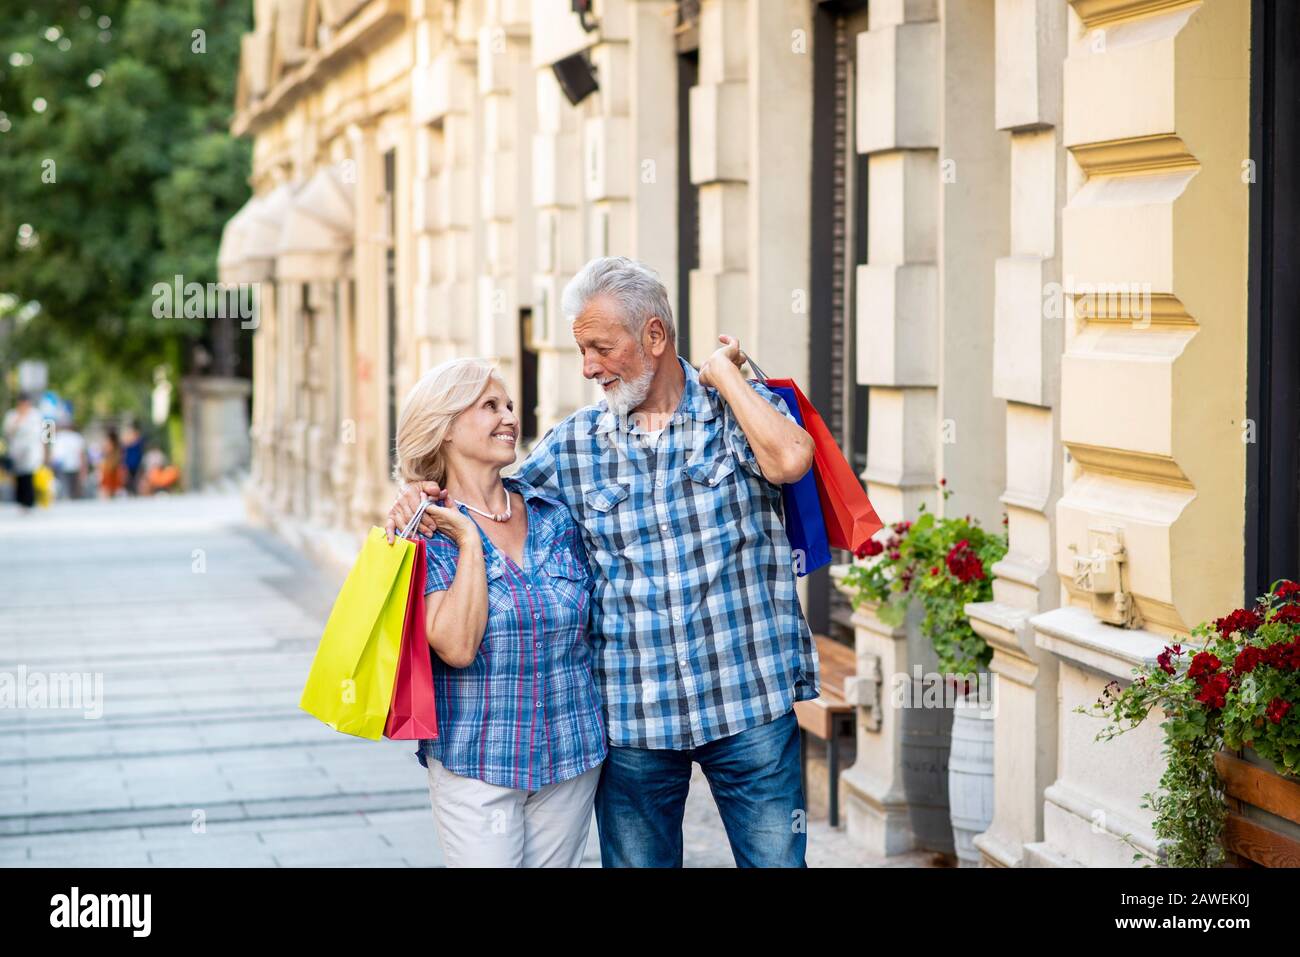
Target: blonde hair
[{"x": 433, "y": 403}]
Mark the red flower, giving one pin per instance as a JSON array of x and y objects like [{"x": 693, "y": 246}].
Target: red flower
[
  {"x": 964, "y": 564},
  {"x": 1288, "y": 613},
  {"x": 934, "y": 569},
  {"x": 1162, "y": 660},
  {"x": 1276, "y": 710},
  {"x": 1285, "y": 655},
  {"x": 894, "y": 555},
  {"x": 1239, "y": 620},
  {"x": 868, "y": 548},
  {"x": 1213, "y": 690},
  {"x": 1287, "y": 589},
  {"x": 1247, "y": 659},
  {"x": 943, "y": 481},
  {"x": 1203, "y": 664}
]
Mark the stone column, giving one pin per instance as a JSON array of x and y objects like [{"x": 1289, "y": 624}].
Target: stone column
[
  {"x": 720, "y": 165},
  {"x": 216, "y": 421},
  {"x": 973, "y": 223},
  {"x": 445, "y": 186},
  {"x": 1154, "y": 255},
  {"x": 772, "y": 318},
  {"x": 652, "y": 105},
  {"x": 897, "y": 97},
  {"x": 507, "y": 103},
  {"x": 1031, "y": 37},
  {"x": 557, "y": 197},
  {"x": 369, "y": 489},
  {"x": 261, "y": 433},
  {"x": 343, "y": 465}
]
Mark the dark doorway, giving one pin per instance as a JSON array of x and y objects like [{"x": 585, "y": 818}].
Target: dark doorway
[
  {"x": 527, "y": 407},
  {"x": 688, "y": 194},
  {"x": 1273, "y": 318},
  {"x": 839, "y": 245}
]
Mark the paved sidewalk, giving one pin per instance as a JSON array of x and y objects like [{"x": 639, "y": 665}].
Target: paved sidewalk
[{"x": 202, "y": 630}]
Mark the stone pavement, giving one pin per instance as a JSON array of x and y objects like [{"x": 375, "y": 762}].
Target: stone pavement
[{"x": 201, "y": 630}]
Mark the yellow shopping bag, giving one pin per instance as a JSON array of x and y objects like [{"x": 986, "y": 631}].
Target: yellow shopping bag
[
  {"x": 350, "y": 685},
  {"x": 43, "y": 483}
]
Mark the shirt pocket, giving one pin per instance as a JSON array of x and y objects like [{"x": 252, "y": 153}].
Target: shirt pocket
[
  {"x": 712, "y": 474},
  {"x": 608, "y": 516},
  {"x": 567, "y": 576},
  {"x": 501, "y": 599}
]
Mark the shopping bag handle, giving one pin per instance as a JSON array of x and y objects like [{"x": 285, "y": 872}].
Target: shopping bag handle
[
  {"x": 754, "y": 365},
  {"x": 414, "y": 523}
]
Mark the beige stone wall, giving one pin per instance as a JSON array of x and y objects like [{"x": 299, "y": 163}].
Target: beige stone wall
[
  {"x": 1152, "y": 396},
  {"x": 1022, "y": 156}
]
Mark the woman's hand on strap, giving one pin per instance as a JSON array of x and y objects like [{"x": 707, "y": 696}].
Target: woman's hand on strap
[{"x": 409, "y": 503}]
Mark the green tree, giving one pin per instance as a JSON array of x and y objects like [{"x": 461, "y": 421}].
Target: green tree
[{"x": 118, "y": 172}]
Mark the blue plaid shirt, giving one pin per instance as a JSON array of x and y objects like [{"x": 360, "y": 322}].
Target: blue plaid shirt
[
  {"x": 525, "y": 713},
  {"x": 696, "y": 627}
]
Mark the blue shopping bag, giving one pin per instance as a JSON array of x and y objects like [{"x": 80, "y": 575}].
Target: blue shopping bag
[{"x": 804, "y": 525}]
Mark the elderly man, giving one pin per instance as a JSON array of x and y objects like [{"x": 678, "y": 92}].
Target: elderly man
[{"x": 699, "y": 644}]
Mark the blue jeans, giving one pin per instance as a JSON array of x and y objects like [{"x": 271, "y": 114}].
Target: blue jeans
[{"x": 755, "y": 780}]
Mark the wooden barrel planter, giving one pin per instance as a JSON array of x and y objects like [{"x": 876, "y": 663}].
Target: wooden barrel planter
[
  {"x": 1263, "y": 824},
  {"x": 970, "y": 776}
]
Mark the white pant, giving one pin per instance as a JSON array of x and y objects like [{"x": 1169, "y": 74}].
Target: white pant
[{"x": 484, "y": 825}]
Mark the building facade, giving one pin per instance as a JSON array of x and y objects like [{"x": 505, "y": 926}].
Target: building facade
[{"x": 1016, "y": 245}]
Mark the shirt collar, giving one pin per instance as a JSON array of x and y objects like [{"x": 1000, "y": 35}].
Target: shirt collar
[
  {"x": 528, "y": 493},
  {"x": 695, "y": 402}
]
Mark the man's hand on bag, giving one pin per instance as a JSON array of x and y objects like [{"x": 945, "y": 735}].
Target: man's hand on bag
[
  {"x": 715, "y": 365},
  {"x": 409, "y": 503}
]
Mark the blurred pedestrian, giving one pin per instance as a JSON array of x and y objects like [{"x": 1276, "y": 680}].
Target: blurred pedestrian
[
  {"x": 22, "y": 429},
  {"x": 112, "y": 473},
  {"x": 159, "y": 475},
  {"x": 70, "y": 461},
  {"x": 133, "y": 457}
]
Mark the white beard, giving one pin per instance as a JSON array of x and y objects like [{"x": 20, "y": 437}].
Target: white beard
[{"x": 627, "y": 395}]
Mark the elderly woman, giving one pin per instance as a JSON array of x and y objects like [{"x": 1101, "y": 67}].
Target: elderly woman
[{"x": 521, "y": 735}]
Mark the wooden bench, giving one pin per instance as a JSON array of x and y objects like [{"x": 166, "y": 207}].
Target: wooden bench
[{"x": 824, "y": 716}]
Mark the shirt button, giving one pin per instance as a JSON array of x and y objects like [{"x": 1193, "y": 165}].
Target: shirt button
[
  {"x": 536, "y": 615},
  {"x": 539, "y": 646},
  {"x": 677, "y": 616},
  {"x": 663, "y": 528},
  {"x": 529, "y": 587},
  {"x": 539, "y": 704}
]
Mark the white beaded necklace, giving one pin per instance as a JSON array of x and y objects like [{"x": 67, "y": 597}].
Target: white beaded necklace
[{"x": 495, "y": 516}]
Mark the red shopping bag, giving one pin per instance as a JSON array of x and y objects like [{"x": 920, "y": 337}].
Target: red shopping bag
[
  {"x": 412, "y": 713},
  {"x": 850, "y": 519}
]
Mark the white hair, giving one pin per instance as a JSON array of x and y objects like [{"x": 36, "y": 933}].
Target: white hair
[{"x": 633, "y": 285}]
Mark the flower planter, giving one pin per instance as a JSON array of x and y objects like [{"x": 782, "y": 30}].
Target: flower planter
[
  {"x": 970, "y": 776},
  {"x": 1263, "y": 824},
  {"x": 926, "y": 744}
]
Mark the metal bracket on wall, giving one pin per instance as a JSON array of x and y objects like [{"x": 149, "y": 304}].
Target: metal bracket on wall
[
  {"x": 1099, "y": 573},
  {"x": 863, "y": 691}
]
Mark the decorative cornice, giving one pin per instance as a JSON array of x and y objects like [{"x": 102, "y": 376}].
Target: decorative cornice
[
  {"x": 374, "y": 21},
  {"x": 1126, "y": 463},
  {"x": 1097, "y": 13}
]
